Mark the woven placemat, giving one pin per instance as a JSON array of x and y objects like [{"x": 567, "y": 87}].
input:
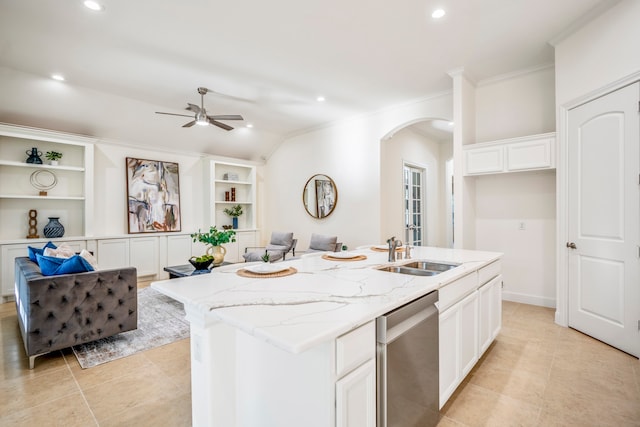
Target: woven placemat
[
  {"x": 377, "y": 249},
  {"x": 355, "y": 258},
  {"x": 246, "y": 273}
]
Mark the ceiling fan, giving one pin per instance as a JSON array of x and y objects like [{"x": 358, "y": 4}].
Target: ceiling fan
[{"x": 201, "y": 118}]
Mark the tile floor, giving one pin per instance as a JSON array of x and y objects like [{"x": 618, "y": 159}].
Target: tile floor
[{"x": 535, "y": 374}]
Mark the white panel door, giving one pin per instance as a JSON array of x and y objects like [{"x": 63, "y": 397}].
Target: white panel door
[
  {"x": 604, "y": 216},
  {"x": 144, "y": 255}
]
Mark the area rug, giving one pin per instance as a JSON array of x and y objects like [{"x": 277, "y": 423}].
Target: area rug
[{"x": 160, "y": 321}]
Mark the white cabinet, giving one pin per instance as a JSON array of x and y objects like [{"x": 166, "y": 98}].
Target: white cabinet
[
  {"x": 144, "y": 255},
  {"x": 231, "y": 184},
  {"x": 356, "y": 397},
  {"x": 490, "y": 312},
  {"x": 356, "y": 378},
  {"x": 470, "y": 319},
  {"x": 510, "y": 155},
  {"x": 70, "y": 199},
  {"x": 458, "y": 350},
  {"x": 113, "y": 253}
]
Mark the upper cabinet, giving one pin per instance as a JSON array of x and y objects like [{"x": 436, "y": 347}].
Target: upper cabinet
[
  {"x": 64, "y": 190},
  {"x": 231, "y": 184},
  {"x": 535, "y": 152}
]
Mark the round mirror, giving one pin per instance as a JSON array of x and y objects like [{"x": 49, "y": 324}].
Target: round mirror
[{"x": 320, "y": 196}]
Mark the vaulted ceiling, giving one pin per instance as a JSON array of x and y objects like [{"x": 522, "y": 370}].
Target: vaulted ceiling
[{"x": 267, "y": 61}]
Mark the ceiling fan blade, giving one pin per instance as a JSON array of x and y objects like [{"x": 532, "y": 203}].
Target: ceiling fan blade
[
  {"x": 193, "y": 107},
  {"x": 173, "y": 114},
  {"x": 226, "y": 117},
  {"x": 188, "y": 125},
  {"x": 220, "y": 125},
  {"x": 237, "y": 98}
]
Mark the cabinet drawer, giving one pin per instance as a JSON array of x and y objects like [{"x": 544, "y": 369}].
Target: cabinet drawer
[
  {"x": 354, "y": 348},
  {"x": 455, "y": 291},
  {"x": 488, "y": 272}
]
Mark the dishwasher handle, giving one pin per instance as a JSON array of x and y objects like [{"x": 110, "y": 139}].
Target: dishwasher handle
[{"x": 392, "y": 325}]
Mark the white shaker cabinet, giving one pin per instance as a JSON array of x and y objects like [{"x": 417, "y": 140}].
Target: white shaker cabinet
[
  {"x": 356, "y": 370},
  {"x": 535, "y": 152},
  {"x": 490, "y": 312}
]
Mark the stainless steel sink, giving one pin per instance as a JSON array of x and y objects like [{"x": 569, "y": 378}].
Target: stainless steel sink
[
  {"x": 431, "y": 265},
  {"x": 420, "y": 268},
  {"x": 408, "y": 270}
]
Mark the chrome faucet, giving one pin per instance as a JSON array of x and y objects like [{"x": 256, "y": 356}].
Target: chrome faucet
[{"x": 393, "y": 244}]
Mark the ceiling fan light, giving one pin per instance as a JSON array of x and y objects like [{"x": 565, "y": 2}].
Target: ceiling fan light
[{"x": 202, "y": 122}]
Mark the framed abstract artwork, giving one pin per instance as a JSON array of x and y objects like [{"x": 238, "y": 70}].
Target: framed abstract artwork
[{"x": 153, "y": 196}]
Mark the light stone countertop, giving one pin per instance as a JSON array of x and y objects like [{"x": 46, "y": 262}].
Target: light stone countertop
[{"x": 320, "y": 302}]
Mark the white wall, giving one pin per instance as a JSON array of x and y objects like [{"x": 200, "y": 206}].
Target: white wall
[
  {"x": 520, "y": 105},
  {"x": 503, "y": 203},
  {"x": 348, "y": 152},
  {"x": 600, "y": 53},
  {"x": 517, "y": 106},
  {"x": 417, "y": 150}
]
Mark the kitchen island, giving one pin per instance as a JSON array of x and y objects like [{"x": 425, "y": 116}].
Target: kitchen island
[{"x": 300, "y": 349}]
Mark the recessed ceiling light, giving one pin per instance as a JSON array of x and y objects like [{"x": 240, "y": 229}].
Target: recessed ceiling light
[
  {"x": 438, "y": 13},
  {"x": 93, "y": 5},
  {"x": 450, "y": 123},
  {"x": 320, "y": 98},
  {"x": 58, "y": 77},
  {"x": 249, "y": 125}
]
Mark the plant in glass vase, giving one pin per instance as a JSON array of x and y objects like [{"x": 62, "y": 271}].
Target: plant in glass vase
[
  {"x": 215, "y": 238},
  {"x": 234, "y": 212}
]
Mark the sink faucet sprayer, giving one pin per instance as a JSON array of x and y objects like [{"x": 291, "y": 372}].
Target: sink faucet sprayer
[{"x": 393, "y": 244}]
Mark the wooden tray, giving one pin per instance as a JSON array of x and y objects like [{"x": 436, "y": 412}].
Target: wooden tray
[
  {"x": 328, "y": 257},
  {"x": 246, "y": 273}
]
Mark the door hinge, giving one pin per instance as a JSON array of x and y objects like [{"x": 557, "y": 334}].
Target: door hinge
[{"x": 639, "y": 325}]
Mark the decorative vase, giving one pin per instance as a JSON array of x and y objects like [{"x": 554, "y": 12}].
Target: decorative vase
[
  {"x": 218, "y": 253},
  {"x": 34, "y": 156},
  {"x": 53, "y": 228},
  {"x": 235, "y": 222}
]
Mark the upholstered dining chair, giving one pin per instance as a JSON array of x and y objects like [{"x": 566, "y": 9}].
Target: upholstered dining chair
[
  {"x": 279, "y": 246},
  {"x": 322, "y": 243}
]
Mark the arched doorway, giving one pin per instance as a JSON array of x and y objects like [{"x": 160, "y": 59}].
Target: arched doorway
[{"x": 416, "y": 172}]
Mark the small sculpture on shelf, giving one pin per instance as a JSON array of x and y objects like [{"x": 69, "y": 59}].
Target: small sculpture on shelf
[
  {"x": 53, "y": 157},
  {"x": 34, "y": 156},
  {"x": 53, "y": 229},
  {"x": 33, "y": 224}
]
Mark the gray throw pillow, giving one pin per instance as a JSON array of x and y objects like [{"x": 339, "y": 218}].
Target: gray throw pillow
[{"x": 323, "y": 243}]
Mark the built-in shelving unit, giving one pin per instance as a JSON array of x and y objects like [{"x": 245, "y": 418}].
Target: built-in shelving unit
[
  {"x": 227, "y": 177},
  {"x": 71, "y": 199}
]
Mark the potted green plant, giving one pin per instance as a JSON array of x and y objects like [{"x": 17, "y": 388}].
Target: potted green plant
[
  {"x": 53, "y": 157},
  {"x": 234, "y": 212},
  {"x": 214, "y": 238}
]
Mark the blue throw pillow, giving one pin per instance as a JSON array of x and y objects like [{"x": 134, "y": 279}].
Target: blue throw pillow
[
  {"x": 52, "y": 266},
  {"x": 34, "y": 251}
]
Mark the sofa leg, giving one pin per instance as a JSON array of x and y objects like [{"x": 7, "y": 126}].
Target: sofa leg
[{"x": 32, "y": 361}]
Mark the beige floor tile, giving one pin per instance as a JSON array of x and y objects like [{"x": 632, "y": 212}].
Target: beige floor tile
[
  {"x": 28, "y": 391},
  {"x": 69, "y": 411},
  {"x": 477, "y": 406},
  {"x": 518, "y": 384},
  {"x": 174, "y": 411},
  {"x": 106, "y": 372},
  {"x": 146, "y": 385}
]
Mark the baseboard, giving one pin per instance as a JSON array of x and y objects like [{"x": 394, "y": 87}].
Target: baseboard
[{"x": 529, "y": 299}]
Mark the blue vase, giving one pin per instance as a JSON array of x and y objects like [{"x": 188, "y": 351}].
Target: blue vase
[
  {"x": 235, "y": 222},
  {"x": 34, "y": 156},
  {"x": 53, "y": 228}
]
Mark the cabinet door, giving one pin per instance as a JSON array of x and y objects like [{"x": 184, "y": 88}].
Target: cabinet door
[
  {"x": 448, "y": 353},
  {"x": 144, "y": 255},
  {"x": 458, "y": 344},
  {"x": 113, "y": 253},
  {"x": 489, "y": 313},
  {"x": 178, "y": 249},
  {"x": 9, "y": 254},
  {"x": 356, "y": 397},
  {"x": 484, "y": 160},
  {"x": 530, "y": 155}
]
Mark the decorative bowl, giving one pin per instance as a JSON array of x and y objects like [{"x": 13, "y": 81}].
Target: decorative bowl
[{"x": 200, "y": 265}]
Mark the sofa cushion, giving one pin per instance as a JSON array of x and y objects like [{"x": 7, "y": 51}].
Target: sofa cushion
[
  {"x": 281, "y": 240},
  {"x": 33, "y": 251},
  {"x": 53, "y": 266}
]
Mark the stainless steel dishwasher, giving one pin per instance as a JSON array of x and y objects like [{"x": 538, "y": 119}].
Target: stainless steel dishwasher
[{"x": 407, "y": 363}]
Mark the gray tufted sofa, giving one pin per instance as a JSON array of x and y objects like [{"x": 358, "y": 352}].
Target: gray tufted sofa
[{"x": 56, "y": 312}]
